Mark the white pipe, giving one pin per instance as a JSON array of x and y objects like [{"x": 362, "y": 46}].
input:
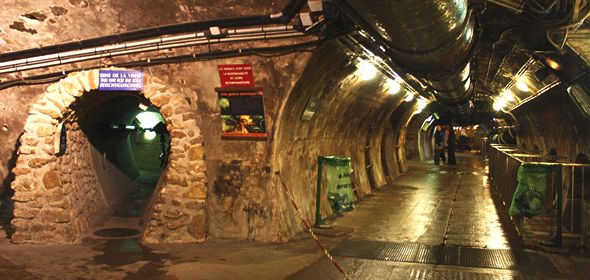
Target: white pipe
[
  {"x": 118, "y": 52},
  {"x": 162, "y": 42}
]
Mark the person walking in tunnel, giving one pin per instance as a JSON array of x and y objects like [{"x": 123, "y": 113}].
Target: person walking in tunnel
[{"x": 439, "y": 145}]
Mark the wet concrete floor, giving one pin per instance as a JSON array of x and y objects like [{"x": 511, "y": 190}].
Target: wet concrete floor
[{"x": 434, "y": 206}]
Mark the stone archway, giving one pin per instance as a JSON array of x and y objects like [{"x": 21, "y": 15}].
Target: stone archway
[{"x": 48, "y": 209}]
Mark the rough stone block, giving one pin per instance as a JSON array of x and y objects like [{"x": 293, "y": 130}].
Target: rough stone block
[
  {"x": 21, "y": 170},
  {"x": 196, "y": 193},
  {"x": 37, "y": 227},
  {"x": 161, "y": 99},
  {"x": 49, "y": 109},
  {"x": 195, "y": 153},
  {"x": 82, "y": 78},
  {"x": 176, "y": 180},
  {"x": 39, "y": 162},
  {"x": 45, "y": 131},
  {"x": 93, "y": 79},
  {"x": 176, "y": 224},
  {"x": 21, "y": 224},
  {"x": 24, "y": 212},
  {"x": 51, "y": 180},
  {"x": 177, "y": 134},
  {"x": 72, "y": 87},
  {"x": 173, "y": 214},
  {"x": 30, "y": 141},
  {"x": 25, "y": 196},
  {"x": 54, "y": 216},
  {"x": 21, "y": 237}
]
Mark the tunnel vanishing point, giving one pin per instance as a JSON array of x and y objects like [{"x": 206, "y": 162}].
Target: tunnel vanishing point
[{"x": 220, "y": 122}]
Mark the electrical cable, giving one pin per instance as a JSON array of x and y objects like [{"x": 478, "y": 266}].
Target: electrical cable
[{"x": 276, "y": 51}]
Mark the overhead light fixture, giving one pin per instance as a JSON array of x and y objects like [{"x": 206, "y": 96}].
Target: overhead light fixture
[
  {"x": 149, "y": 135},
  {"x": 394, "y": 87},
  {"x": 522, "y": 85},
  {"x": 366, "y": 70},
  {"x": 142, "y": 106},
  {"x": 508, "y": 96},
  {"x": 148, "y": 120},
  {"x": 422, "y": 103},
  {"x": 499, "y": 104},
  {"x": 553, "y": 63},
  {"x": 409, "y": 97}
]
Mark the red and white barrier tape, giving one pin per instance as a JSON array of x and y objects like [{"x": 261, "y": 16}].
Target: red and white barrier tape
[{"x": 308, "y": 227}]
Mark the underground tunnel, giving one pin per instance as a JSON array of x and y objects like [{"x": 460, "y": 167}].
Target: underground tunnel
[{"x": 404, "y": 139}]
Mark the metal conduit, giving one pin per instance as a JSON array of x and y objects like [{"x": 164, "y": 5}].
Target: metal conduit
[{"x": 432, "y": 39}]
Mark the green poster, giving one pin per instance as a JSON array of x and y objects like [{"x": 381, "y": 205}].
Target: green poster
[{"x": 338, "y": 184}]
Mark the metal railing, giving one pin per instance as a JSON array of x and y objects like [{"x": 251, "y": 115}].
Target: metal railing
[{"x": 563, "y": 213}]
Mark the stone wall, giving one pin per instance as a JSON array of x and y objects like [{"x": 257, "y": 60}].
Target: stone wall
[
  {"x": 177, "y": 209},
  {"x": 69, "y": 199}
]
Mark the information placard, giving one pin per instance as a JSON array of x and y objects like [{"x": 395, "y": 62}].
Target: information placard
[
  {"x": 242, "y": 114},
  {"x": 120, "y": 80},
  {"x": 236, "y": 75}
]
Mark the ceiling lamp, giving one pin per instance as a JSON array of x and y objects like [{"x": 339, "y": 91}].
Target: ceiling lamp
[
  {"x": 147, "y": 120},
  {"x": 522, "y": 85},
  {"x": 394, "y": 87},
  {"x": 553, "y": 63},
  {"x": 499, "y": 104},
  {"x": 149, "y": 135},
  {"x": 366, "y": 70},
  {"x": 508, "y": 96}
]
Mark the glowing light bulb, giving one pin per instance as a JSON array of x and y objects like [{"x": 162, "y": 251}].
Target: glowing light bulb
[
  {"x": 394, "y": 87},
  {"x": 499, "y": 104},
  {"x": 522, "y": 85},
  {"x": 366, "y": 70},
  {"x": 149, "y": 119},
  {"x": 553, "y": 64},
  {"x": 149, "y": 135},
  {"x": 508, "y": 96}
]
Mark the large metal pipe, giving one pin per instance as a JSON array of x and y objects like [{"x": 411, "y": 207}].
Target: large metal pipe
[{"x": 432, "y": 39}]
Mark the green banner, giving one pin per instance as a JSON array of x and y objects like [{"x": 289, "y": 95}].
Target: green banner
[
  {"x": 531, "y": 189},
  {"x": 338, "y": 184}
]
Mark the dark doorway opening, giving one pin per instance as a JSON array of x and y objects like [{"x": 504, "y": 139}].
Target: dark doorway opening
[{"x": 129, "y": 145}]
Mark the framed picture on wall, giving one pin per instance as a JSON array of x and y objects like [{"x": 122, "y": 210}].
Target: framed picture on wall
[{"x": 242, "y": 113}]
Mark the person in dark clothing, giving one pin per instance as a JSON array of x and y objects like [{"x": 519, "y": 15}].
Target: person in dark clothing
[{"x": 439, "y": 145}]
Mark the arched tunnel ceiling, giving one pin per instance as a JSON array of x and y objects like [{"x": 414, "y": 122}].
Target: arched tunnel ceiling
[
  {"x": 505, "y": 44},
  {"x": 28, "y": 24}
]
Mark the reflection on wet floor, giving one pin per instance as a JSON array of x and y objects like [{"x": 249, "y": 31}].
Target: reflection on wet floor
[{"x": 433, "y": 205}]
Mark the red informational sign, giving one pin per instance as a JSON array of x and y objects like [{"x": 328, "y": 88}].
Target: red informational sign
[{"x": 236, "y": 75}]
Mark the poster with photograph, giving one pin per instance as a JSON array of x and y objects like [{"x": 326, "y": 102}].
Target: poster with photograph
[{"x": 242, "y": 114}]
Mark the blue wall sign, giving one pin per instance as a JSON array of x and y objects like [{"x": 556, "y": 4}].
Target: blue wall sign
[{"x": 120, "y": 80}]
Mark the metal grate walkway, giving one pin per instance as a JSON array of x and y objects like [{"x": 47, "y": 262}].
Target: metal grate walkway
[{"x": 443, "y": 255}]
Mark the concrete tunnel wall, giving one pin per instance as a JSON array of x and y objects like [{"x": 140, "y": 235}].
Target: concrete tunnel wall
[
  {"x": 352, "y": 118},
  {"x": 553, "y": 121}
]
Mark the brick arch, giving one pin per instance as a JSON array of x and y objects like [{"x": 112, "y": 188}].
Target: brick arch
[{"x": 45, "y": 209}]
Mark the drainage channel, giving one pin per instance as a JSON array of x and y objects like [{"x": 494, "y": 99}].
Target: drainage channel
[{"x": 444, "y": 255}]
